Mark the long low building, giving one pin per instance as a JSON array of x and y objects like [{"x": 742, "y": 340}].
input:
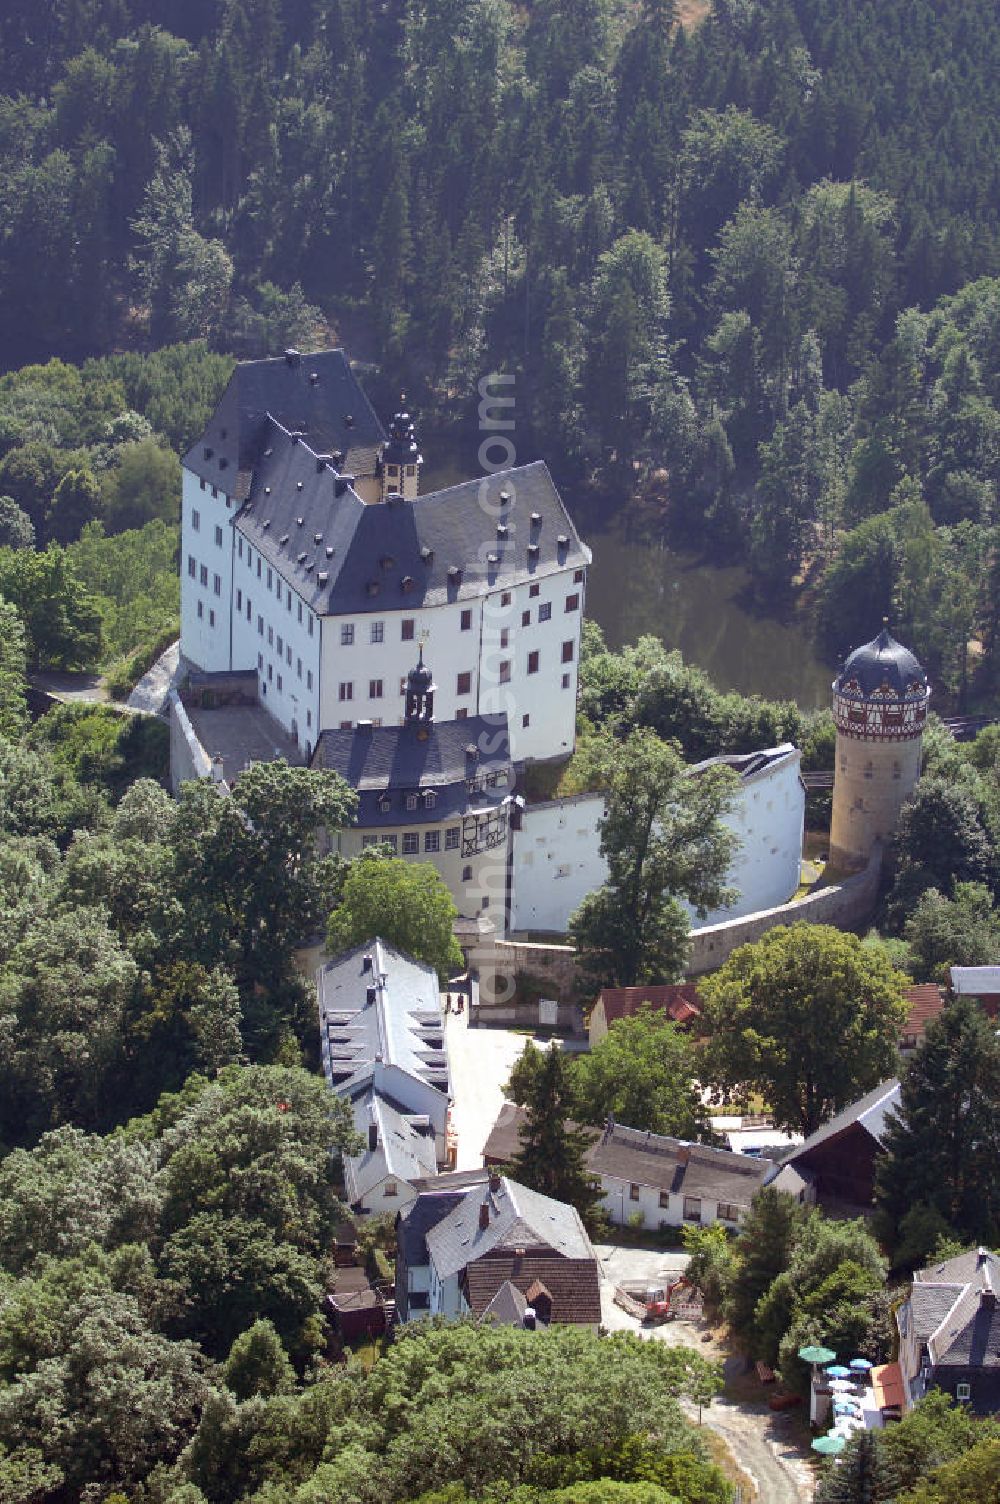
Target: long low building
[
  {"x": 383, "y": 1047},
  {"x": 651, "y": 1180}
]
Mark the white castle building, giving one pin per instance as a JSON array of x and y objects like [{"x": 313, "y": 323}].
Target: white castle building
[{"x": 309, "y": 558}]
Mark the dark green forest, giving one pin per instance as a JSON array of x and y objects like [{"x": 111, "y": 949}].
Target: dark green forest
[{"x": 742, "y": 267}]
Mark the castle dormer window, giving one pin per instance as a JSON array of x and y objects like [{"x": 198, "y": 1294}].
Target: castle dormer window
[
  {"x": 411, "y": 801},
  {"x": 430, "y": 799}
]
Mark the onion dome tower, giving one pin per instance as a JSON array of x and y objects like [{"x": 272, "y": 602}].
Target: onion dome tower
[
  {"x": 401, "y": 459},
  {"x": 880, "y": 706},
  {"x": 420, "y": 689}
]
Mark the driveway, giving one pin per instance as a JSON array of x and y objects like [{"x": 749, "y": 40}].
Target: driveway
[
  {"x": 759, "y": 1440},
  {"x": 480, "y": 1061}
]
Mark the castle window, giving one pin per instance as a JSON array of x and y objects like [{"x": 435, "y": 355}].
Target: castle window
[
  {"x": 312, "y": 620},
  {"x": 505, "y": 598},
  {"x": 192, "y": 566},
  {"x": 430, "y": 799},
  {"x": 869, "y": 770},
  {"x": 298, "y": 667},
  {"x": 260, "y": 626},
  {"x": 462, "y": 713},
  {"x": 567, "y": 652},
  {"x": 464, "y": 683},
  {"x": 280, "y": 645},
  {"x": 545, "y": 611},
  {"x": 451, "y": 836},
  {"x": 573, "y": 602},
  {"x": 466, "y": 874},
  {"x": 346, "y": 692},
  {"x": 217, "y": 584},
  {"x": 533, "y": 590},
  {"x": 432, "y": 840},
  {"x": 211, "y": 618},
  {"x": 346, "y": 634},
  {"x": 300, "y": 610},
  {"x": 525, "y": 618},
  {"x": 567, "y": 680},
  {"x": 411, "y": 469},
  {"x": 270, "y": 637},
  {"x": 249, "y": 608},
  {"x": 374, "y": 689},
  {"x": 309, "y": 678},
  {"x": 218, "y": 537},
  {"x": 346, "y": 725},
  {"x": 258, "y": 566},
  {"x": 411, "y": 843},
  {"x": 466, "y": 621},
  {"x": 239, "y": 548},
  {"x": 525, "y": 721},
  {"x": 533, "y": 662},
  {"x": 201, "y": 610},
  {"x": 578, "y": 577},
  {"x": 504, "y": 637},
  {"x": 215, "y": 492},
  {"x": 239, "y": 600},
  {"x": 203, "y": 574},
  {"x": 270, "y": 579},
  {"x": 288, "y": 654},
  {"x": 391, "y": 469},
  {"x": 505, "y": 671},
  {"x": 378, "y": 631},
  {"x": 202, "y": 484},
  {"x": 408, "y": 627},
  {"x": 411, "y": 801},
  {"x": 270, "y": 671},
  {"x": 260, "y": 660},
  {"x": 196, "y": 521},
  {"x": 279, "y": 684}
]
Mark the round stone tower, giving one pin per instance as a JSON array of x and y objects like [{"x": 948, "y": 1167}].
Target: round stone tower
[{"x": 880, "y": 706}]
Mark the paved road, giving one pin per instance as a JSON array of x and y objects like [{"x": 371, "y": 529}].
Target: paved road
[
  {"x": 757, "y": 1438},
  {"x": 480, "y": 1061}
]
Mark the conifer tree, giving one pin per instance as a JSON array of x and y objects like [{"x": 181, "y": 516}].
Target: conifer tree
[
  {"x": 551, "y": 1157},
  {"x": 943, "y": 1144}
]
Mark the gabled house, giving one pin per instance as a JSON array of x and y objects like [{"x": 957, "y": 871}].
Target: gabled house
[
  {"x": 649, "y": 1178},
  {"x": 835, "y": 1166},
  {"x": 924, "y": 1002},
  {"x": 497, "y": 1251},
  {"x": 980, "y": 982},
  {"x": 679, "y": 1001},
  {"x": 949, "y": 1332},
  {"x": 383, "y": 1048}
]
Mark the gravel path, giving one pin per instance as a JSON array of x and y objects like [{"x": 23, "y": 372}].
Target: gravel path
[{"x": 759, "y": 1441}]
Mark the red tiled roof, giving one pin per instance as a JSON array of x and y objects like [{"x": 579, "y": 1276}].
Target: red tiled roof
[
  {"x": 925, "y": 1000},
  {"x": 679, "y": 1000},
  {"x": 572, "y": 1284}
]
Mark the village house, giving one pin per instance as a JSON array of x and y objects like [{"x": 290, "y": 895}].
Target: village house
[
  {"x": 651, "y": 1180},
  {"x": 497, "y": 1251},
  {"x": 383, "y": 1047},
  {"x": 980, "y": 982},
  {"x": 835, "y": 1166},
  {"x": 949, "y": 1332},
  {"x": 678, "y": 1001}
]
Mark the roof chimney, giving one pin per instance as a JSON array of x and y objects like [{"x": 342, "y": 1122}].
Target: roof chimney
[
  {"x": 484, "y": 1216},
  {"x": 494, "y": 1183},
  {"x": 372, "y": 1137},
  {"x": 366, "y": 964},
  {"x": 292, "y": 357},
  {"x": 370, "y": 993},
  {"x": 322, "y": 460}
]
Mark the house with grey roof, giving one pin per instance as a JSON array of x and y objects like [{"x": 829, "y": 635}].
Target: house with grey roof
[
  {"x": 650, "y": 1179},
  {"x": 383, "y": 1047},
  {"x": 498, "y": 1251},
  {"x": 949, "y": 1332}
]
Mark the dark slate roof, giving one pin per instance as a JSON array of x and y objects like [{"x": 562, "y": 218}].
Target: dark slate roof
[
  {"x": 868, "y": 1112},
  {"x": 315, "y": 395},
  {"x": 651, "y": 1159},
  {"x": 882, "y": 664},
  {"x": 430, "y": 1208},
  {"x": 929, "y": 1305},
  {"x": 507, "y": 1306},
  {"x": 573, "y": 1283},
  {"x": 396, "y": 554},
  {"x": 419, "y": 758}
]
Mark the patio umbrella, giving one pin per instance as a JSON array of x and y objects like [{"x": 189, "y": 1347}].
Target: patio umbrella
[
  {"x": 860, "y": 1365},
  {"x": 840, "y": 1386},
  {"x": 837, "y": 1371},
  {"x": 816, "y": 1354},
  {"x": 829, "y": 1444}
]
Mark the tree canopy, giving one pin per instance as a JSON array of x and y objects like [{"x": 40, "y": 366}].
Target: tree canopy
[
  {"x": 807, "y": 1016},
  {"x": 405, "y": 903}
]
